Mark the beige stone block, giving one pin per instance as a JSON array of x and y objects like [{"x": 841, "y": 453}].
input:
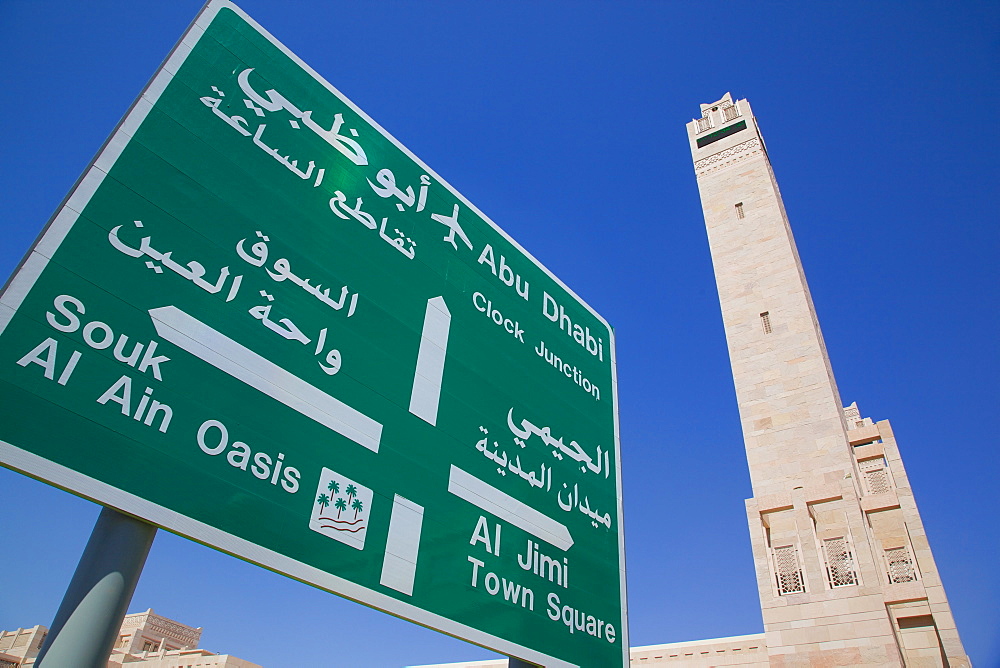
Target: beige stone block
[
  {"x": 879, "y": 502},
  {"x": 904, "y": 591},
  {"x": 775, "y": 616},
  {"x": 873, "y": 628},
  {"x": 805, "y": 636},
  {"x": 838, "y": 607},
  {"x": 909, "y": 608},
  {"x": 863, "y": 604},
  {"x": 822, "y": 493},
  {"x": 774, "y": 502},
  {"x": 773, "y": 649},
  {"x": 885, "y": 430},
  {"x": 942, "y": 616},
  {"x": 863, "y": 434},
  {"x": 868, "y": 451}
]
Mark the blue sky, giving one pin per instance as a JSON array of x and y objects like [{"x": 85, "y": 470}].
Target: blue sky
[{"x": 564, "y": 122}]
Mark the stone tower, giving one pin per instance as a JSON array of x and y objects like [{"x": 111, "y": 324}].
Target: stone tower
[{"x": 844, "y": 570}]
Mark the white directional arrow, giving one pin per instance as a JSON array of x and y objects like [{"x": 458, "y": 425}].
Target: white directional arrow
[
  {"x": 483, "y": 495},
  {"x": 426, "y": 392},
  {"x": 243, "y": 364}
]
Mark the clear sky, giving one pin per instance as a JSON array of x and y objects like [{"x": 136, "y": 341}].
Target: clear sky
[{"x": 564, "y": 122}]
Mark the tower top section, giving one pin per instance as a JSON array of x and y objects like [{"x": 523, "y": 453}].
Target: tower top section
[
  {"x": 726, "y": 127},
  {"x": 726, "y": 101}
]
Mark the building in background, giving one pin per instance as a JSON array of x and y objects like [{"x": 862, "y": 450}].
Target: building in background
[
  {"x": 844, "y": 569},
  {"x": 16, "y": 647},
  {"x": 146, "y": 640}
]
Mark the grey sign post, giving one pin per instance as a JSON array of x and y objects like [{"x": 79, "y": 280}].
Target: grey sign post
[{"x": 90, "y": 615}]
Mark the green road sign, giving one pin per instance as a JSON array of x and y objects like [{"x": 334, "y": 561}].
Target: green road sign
[{"x": 260, "y": 322}]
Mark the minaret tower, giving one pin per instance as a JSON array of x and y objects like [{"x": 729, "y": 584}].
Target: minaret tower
[{"x": 844, "y": 569}]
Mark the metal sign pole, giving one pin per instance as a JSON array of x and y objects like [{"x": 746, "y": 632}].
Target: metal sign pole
[{"x": 90, "y": 615}]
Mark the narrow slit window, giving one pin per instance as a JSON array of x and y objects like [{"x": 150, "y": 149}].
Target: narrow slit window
[
  {"x": 739, "y": 211},
  {"x": 765, "y": 322}
]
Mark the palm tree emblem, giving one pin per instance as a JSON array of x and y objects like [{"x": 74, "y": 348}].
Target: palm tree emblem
[
  {"x": 351, "y": 492},
  {"x": 340, "y": 505},
  {"x": 334, "y": 487},
  {"x": 323, "y": 500},
  {"x": 358, "y": 507}
]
